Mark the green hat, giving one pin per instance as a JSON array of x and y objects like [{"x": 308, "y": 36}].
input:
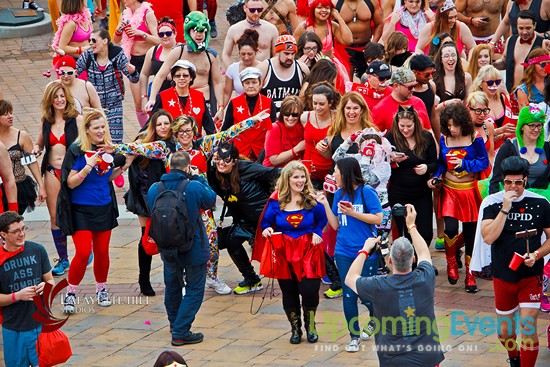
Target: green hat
[
  {"x": 198, "y": 21},
  {"x": 529, "y": 115}
]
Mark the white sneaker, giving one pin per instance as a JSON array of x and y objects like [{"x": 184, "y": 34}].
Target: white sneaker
[
  {"x": 368, "y": 330},
  {"x": 353, "y": 345},
  {"x": 69, "y": 303},
  {"x": 218, "y": 285},
  {"x": 103, "y": 299}
]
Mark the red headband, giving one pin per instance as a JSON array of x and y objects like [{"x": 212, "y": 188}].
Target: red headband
[
  {"x": 535, "y": 60},
  {"x": 166, "y": 24}
]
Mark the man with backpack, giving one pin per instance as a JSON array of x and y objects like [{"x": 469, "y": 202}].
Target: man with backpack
[{"x": 176, "y": 226}]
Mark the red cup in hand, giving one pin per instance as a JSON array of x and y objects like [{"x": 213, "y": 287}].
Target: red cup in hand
[
  {"x": 106, "y": 160},
  {"x": 449, "y": 156},
  {"x": 516, "y": 261}
]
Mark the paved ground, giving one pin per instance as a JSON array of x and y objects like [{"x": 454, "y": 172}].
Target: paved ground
[{"x": 134, "y": 330}]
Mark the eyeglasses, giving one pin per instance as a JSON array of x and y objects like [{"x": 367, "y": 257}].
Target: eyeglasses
[
  {"x": 426, "y": 74},
  {"x": 19, "y": 230},
  {"x": 181, "y": 76},
  {"x": 309, "y": 49},
  {"x": 256, "y": 10},
  {"x": 410, "y": 87},
  {"x": 495, "y": 82},
  {"x": 543, "y": 64},
  {"x": 292, "y": 114},
  {"x": 166, "y": 34},
  {"x": 535, "y": 127},
  {"x": 508, "y": 182},
  {"x": 69, "y": 73},
  {"x": 185, "y": 132},
  {"x": 451, "y": 56},
  {"x": 92, "y": 40},
  {"x": 479, "y": 111}
]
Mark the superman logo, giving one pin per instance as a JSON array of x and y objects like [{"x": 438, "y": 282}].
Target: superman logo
[{"x": 294, "y": 219}]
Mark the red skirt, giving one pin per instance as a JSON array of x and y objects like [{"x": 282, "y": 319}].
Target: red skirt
[
  {"x": 283, "y": 255},
  {"x": 460, "y": 200}
]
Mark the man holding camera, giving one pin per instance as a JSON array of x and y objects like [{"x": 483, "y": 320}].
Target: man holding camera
[
  {"x": 403, "y": 302},
  {"x": 198, "y": 196},
  {"x": 513, "y": 222}
]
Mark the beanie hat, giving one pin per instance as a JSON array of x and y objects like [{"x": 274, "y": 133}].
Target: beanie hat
[
  {"x": 286, "y": 42},
  {"x": 528, "y": 115},
  {"x": 66, "y": 60}
]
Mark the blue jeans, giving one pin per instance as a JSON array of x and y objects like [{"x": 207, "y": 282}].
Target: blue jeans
[
  {"x": 351, "y": 311},
  {"x": 21, "y": 346},
  {"x": 182, "y": 310}
]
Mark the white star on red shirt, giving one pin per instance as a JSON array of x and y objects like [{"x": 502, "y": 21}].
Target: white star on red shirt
[
  {"x": 171, "y": 103},
  {"x": 240, "y": 109}
]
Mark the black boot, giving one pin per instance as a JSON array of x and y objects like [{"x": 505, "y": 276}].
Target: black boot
[
  {"x": 309, "y": 323},
  {"x": 144, "y": 262},
  {"x": 332, "y": 273},
  {"x": 293, "y": 315}
]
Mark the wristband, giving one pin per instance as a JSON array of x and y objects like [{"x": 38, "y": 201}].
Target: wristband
[
  {"x": 82, "y": 178},
  {"x": 537, "y": 255},
  {"x": 118, "y": 33},
  {"x": 470, "y": 20},
  {"x": 504, "y": 212},
  {"x": 293, "y": 152},
  {"x": 79, "y": 50},
  {"x": 411, "y": 228},
  {"x": 14, "y": 207},
  {"x": 363, "y": 252},
  {"x": 13, "y": 299},
  {"x": 144, "y": 96}
]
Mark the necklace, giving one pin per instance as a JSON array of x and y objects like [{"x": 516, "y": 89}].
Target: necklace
[
  {"x": 189, "y": 103},
  {"x": 353, "y": 10},
  {"x": 531, "y": 157}
]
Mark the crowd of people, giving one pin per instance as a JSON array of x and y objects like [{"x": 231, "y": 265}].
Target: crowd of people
[{"x": 336, "y": 124}]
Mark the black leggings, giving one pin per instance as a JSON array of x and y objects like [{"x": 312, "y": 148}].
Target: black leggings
[
  {"x": 468, "y": 232},
  {"x": 292, "y": 289},
  {"x": 424, "y": 215}
]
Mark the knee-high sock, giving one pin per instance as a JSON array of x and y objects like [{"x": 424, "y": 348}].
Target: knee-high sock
[
  {"x": 529, "y": 353},
  {"x": 60, "y": 241}
]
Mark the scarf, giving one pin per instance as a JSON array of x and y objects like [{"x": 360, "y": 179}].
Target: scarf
[
  {"x": 134, "y": 19},
  {"x": 414, "y": 22},
  {"x": 84, "y": 17}
]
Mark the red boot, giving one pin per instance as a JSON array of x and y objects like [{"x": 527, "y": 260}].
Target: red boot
[
  {"x": 450, "y": 254},
  {"x": 469, "y": 282}
]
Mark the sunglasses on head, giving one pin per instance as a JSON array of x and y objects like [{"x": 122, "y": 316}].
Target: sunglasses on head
[
  {"x": 508, "y": 182},
  {"x": 256, "y": 10},
  {"x": 92, "y": 40},
  {"x": 293, "y": 114},
  {"x": 166, "y": 34},
  {"x": 495, "y": 82},
  {"x": 69, "y": 73}
]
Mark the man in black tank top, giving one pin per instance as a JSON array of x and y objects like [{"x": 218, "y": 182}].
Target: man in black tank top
[
  {"x": 283, "y": 75},
  {"x": 424, "y": 68}
]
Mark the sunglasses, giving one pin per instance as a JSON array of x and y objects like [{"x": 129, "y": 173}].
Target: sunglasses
[
  {"x": 495, "y": 82},
  {"x": 166, "y": 34},
  {"x": 293, "y": 114},
  {"x": 508, "y": 182},
  {"x": 479, "y": 111},
  {"x": 92, "y": 40},
  {"x": 426, "y": 74},
  {"x": 256, "y": 10},
  {"x": 410, "y": 87},
  {"x": 69, "y": 73},
  {"x": 382, "y": 79},
  {"x": 181, "y": 76},
  {"x": 543, "y": 64},
  {"x": 535, "y": 127}
]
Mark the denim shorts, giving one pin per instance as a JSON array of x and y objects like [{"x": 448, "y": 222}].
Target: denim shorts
[{"x": 22, "y": 347}]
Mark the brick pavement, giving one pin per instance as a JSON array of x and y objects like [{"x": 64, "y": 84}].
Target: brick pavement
[{"x": 121, "y": 335}]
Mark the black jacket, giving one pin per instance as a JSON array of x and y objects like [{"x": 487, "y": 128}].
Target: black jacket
[{"x": 508, "y": 149}]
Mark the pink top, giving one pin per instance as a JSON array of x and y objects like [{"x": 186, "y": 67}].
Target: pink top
[
  {"x": 80, "y": 35},
  {"x": 458, "y": 41},
  {"x": 407, "y": 32}
]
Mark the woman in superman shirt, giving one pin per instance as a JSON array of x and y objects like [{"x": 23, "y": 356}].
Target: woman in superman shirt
[{"x": 299, "y": 261}]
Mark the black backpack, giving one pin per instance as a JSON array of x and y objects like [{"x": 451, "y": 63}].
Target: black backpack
[{"x": 170, "y": 225}]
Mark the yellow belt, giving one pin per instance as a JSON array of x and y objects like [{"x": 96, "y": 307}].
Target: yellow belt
[{"x": 460, "y": 185}]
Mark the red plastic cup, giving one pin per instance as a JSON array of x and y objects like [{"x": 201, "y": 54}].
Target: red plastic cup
[
  {"x": 516, "y": 261},
  {"x": 126, "y": 28},
  {"x": 308, "y": 163},
  {"x": 450, "y": 166},
  {"x": 106, "y": 160},
  {"x": 90, "y": 153}
]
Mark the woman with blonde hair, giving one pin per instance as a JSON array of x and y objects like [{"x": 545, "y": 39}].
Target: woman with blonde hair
[
  {"x": 478, "y": 106},
  {"x": 59, "y": 129},
  {"x": 531, "y": 84},
  {"x": 489, "y": 81},
  {"x": 295, "y": 196},
  {"x": 481, "y": 55},
  {"x": 88, "y": 206}
]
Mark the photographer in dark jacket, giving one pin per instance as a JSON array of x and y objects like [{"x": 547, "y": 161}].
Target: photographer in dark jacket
[
  {"x": 199, "y": 196},
  {"x": 244, "y": 187}
]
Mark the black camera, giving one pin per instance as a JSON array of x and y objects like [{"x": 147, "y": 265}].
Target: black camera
[
  {"x": 399, "y": 210},
  {"x": 436, "y": 181}
]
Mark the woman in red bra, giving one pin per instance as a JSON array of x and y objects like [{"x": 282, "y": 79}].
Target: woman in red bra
[
  {"x": 59, "y": 129},
  {"x": 136, "y": 33},
  {"x": 74, "y": 28}
]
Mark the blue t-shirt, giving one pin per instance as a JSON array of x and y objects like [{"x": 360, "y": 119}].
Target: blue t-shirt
[
  {"x": 294, "y": 223},
  {"x": 94, "y": 189},
  {"x": 353, "y": 232}
]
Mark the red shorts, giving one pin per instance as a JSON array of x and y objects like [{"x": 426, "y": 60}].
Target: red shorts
[{"x": 509, "y": 296}]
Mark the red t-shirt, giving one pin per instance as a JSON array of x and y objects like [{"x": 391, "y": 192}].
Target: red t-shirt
[
  {"x": 312, "y": 136},
  {"x": 372, "y": 97},
  {"x": 384, "y": 112},
  {"x": 281, "y": 138}
]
